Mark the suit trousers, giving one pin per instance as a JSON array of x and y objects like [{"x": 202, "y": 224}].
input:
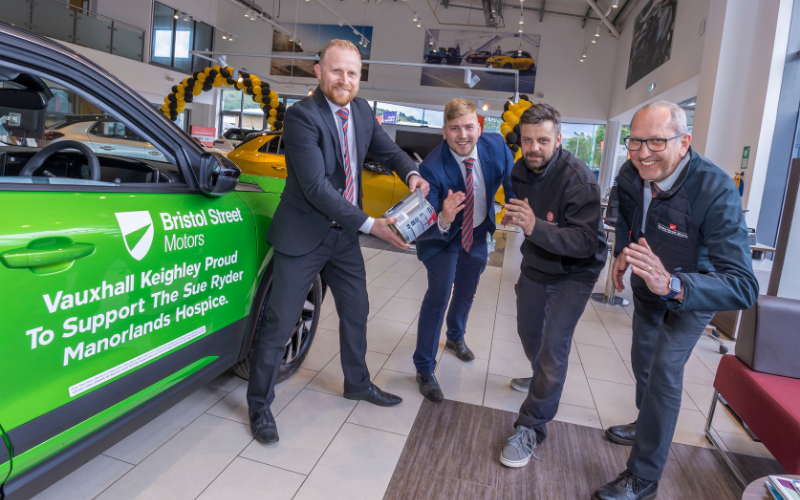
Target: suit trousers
[
  {"x": 662, "y": 344},
  {"x": 338, "y": 258},
  {"x": 546, "y": 319},
  {"x": 451, "y": 268}
]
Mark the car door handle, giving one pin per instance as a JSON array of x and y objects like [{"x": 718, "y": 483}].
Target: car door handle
[
  {"x": 44, "y": 252},
  {"x": 279, "y": 168},
  {"x": 107, "y": 148},
  {"x": 154, "y": 153}
]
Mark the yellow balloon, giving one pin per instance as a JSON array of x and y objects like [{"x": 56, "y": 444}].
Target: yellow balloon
[
  {"x": 256, "y": 89},
  {"x": 164, "y": 108},
  {"x": 505, "y": 129},
  {"x": 272, "y": 95},
  {"x": 258, "y": 98},
  {"x": 256, "y": 81},
  {"x": 274, "y": 103},
  {"x": 508, "y": 116},
  {"x": 273, "y": 112},
  {"x": 271, "y": 120},
  {"x": 201, "y": 77},
  {"x": 514, "y": 120},
  {"x": 207, "y": 70},
  {"x": 181, "y": 107},
  {"x": 180, "y": 97},
  {"x": 217, "y": 68},
  {"x": 166, "y": 100},
  {"x": 240, "y": 85},
  {"x": 197, "y": 91}
]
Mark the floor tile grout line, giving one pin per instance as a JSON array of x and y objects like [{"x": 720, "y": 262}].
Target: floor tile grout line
[
  {"x": 223, "y": 470},
  {"x": 376, "y": 429},
  {"x": 117, "y": 459},
  {"x": 270, "y": 465}
]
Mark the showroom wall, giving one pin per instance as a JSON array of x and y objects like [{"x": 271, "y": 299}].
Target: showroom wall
[{"x": 676, "y": 79}]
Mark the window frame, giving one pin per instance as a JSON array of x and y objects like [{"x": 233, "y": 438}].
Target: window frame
[{"x": 193, "y": 64}]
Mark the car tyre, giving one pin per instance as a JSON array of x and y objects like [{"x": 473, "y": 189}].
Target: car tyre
[
  {"x": 443, "y": 61},
  {"x": 507, "y": 66},
  {"x": 302, "y": 336}
]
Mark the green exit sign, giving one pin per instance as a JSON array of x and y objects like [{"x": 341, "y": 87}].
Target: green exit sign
[{"x": 745, "y": 157}]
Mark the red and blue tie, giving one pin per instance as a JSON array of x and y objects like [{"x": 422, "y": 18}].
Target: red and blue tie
[
  {"x": 655, "y": 189},
  {"x": 349, "y": 191},
  {"x": 469, "y": 208}
]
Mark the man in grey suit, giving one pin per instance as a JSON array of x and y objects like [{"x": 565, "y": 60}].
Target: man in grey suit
[{"x": 315, "y": 228}]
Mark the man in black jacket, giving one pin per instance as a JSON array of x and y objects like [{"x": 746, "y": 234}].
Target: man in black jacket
[
  {"x": 558, "y": 209},
  {"x": 316, "y": 225},
  {"x": 682, "y": 232}
]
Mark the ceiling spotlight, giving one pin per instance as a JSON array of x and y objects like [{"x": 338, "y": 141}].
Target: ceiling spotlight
[
  {"x": 298, "y": 41},
  {"x": 185, "y": 16},
  {"x": 247, "y": 14},
  {"x": 176, "y": 16},
  {"x": 581, "y": 59},
  {"x": 584, "y": 53},
  {"x": 224, "y": 36},
  {"x": 430, "y": 42},
  {"x": 520, "y": 29},
  {"x": 521, "y": 19},
  {"x": 597, "y": 33},
  {"x": 341, "y": 23},
  {"x": 594, "y": 40},
  {"x": 519, "y": 53},
  {"x": 419, "y": 24},
  {"x": 310, "y": 92},
  {"x": 240, "y": 80},
  {"x": 615, "y": 4},
  {"x": 416, "y": 17},
  {"x": 485, "y": 107}
]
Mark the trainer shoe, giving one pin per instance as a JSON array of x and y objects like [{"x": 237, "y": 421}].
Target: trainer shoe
[
  {"x": 520, "y": 447},
  {"x": 521, "y": 384}
]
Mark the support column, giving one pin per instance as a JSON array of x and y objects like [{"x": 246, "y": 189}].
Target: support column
[
  {"x": 740, "y": 81},
  {"x": 609, "y": 158}
]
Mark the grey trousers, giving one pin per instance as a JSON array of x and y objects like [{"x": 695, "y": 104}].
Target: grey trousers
[
  {"x": 339, "y": 260},
  {"x": 546, "y": 320},
  {"x": 662, "y": 343}
]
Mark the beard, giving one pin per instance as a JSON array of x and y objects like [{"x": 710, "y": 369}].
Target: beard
[
  {"x": 336, "y": 98},
  {"x": 536, "y": 163}
]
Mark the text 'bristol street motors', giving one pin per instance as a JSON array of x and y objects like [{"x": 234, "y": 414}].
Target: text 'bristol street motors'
[{"x": 191, "y": 220}]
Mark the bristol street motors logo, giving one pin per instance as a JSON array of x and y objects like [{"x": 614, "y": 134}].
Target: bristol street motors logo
[
  {"x": 550, "y": 217},
  {"x": 673, "y": 230},
  {"x": 137, "y": 231}
]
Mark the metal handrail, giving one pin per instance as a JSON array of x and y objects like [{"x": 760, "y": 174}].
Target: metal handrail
[{"x": 87, "y": 11}]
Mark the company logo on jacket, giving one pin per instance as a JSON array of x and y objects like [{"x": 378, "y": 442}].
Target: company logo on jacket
[
  {"x": 550, "y": 218},
  {"x": 673, "y": 230}
]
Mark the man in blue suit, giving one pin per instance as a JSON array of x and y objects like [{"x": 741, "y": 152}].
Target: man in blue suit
[{"x": 464, "y": 173}]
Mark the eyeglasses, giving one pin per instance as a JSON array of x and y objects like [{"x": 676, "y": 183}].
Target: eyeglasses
[{"x": 655, "y": 145}]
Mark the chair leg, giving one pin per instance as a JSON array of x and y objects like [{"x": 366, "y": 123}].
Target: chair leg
[{"x": 717, "y": 446}]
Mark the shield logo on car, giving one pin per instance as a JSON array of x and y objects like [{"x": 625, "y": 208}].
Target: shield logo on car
[{"x": 137, "y": 232}]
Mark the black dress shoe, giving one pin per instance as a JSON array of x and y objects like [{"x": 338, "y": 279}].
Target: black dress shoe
[
  {"x": 429, "y": 387},
  {"x": 375, "y": 396},
  {"x": 460, "y": 349},
  {"x": 622, "y": 434},
  {"x": 627, "y": 487},
  {"x": 263, "y": 426}
]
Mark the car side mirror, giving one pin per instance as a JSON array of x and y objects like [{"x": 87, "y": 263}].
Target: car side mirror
[{"x": 218, "y": 175}]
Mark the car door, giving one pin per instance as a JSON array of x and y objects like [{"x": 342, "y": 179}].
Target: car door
[
  {"x": 5, "y": 457},
  {"x": 111, "y": 282},
  {"x": 379, "y": 186}
]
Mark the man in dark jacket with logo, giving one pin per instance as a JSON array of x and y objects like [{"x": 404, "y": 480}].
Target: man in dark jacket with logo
[
  {"x": 558, "y": 209},
  {"x": 682, "y": 232}
]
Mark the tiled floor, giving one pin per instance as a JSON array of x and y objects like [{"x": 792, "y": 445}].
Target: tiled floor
[{"x": 334, "y": 448}]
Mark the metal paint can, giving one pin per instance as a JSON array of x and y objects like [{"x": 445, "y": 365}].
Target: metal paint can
[{"x": 414, "y": 216}]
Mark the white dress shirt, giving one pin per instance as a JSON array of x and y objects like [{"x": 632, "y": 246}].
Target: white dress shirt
[
  {"x": 351, "y": 142},
  {"x": 481, "y": 209},
  {"x": 664, "y": 185}
]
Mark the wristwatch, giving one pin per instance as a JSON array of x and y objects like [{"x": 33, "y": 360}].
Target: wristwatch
[{"x": 674, "y": 287}]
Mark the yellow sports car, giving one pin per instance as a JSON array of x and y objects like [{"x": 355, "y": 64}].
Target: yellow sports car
[
  {"x": 512, "y": 60},
  {"x": 262, "y": 154}
]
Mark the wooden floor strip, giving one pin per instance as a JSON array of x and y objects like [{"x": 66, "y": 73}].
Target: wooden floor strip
[{"x": 453, "y": 452}]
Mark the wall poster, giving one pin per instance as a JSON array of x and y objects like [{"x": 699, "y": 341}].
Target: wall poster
[
  {"x": 314, "y": 37},
  {"x": 652, "y": 38},
  {"x": 480, "y": 49}
]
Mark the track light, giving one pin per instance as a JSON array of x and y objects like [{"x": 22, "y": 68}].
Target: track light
[
  {"x": 597, "y": 33},
  {"x": 521, "y": 19},
  {"x": 594, "y": 40},
  {"x": 240, "y": 80},
  {"x": 615, "y": 4},
  {"x": 224, "y": 36},
  {"x": 341, "y": 23},
  {"x": 185, "y": 16},
  {"x": 247, "y": 14},
  {"x": 584, "y": 53},
  {"x": 430, "y": 42},
  {"x": 581, "y": 59},
  {"x": 176, "y": 16},
  {"x": 485, "y": 107},
  {"x": 298, "y": 41},
  {"x": 519, "y": 53},
  {"x": 416, "y": 17},
  {"x": 520, "y": 29}
]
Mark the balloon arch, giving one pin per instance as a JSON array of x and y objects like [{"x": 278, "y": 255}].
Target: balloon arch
[
  {"x": 211, "y": 77},
  {"x": 510, "y": 126}
]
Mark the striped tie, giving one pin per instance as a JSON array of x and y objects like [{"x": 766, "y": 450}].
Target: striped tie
[
  {"x": 349, "y": 192},
  {"x": 469, "y": 209},
  {"x": 655, "y": 189}
]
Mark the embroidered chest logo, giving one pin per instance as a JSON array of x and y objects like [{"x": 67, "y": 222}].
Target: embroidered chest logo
[
  {"x": 550, "y": 218},
  {"x": 673, "y": 230}
]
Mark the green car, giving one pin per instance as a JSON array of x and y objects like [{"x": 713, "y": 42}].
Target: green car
[{"x": 126, "y": 282}]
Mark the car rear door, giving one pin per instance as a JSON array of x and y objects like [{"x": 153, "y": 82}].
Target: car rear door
[{"x": 5, "y": 457}]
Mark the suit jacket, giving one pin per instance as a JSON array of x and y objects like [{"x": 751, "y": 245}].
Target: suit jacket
[
  {"x": 443, "y": 173},
  {"x": 315, "y": 181}
]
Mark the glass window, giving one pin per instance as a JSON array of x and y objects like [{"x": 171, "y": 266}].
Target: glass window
[
  {"x": 585, "y": 141},
  {"x": 289, "y": 102},
  {"x": 163, "y": 22},
  {"x": 491, "y": 124},
  {"x": 232, "y": 100},
  {"x": 175, "y": 34},
  {"x": 433, "y": 118}
]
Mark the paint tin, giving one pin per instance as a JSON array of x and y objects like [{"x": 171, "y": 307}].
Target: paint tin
[{"x": 414, "y": 216}]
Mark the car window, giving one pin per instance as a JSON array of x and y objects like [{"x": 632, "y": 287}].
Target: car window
[{"x": 43, "y": 113}]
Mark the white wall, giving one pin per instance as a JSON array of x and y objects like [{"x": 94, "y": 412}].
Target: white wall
[
  {"x": 685, "y": 62},
  {"x": 578, "y": 90}
]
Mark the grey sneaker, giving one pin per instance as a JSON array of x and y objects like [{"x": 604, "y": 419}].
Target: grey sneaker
[
  {"x": 521, "y": 384},
  {"x": 520, "y": 447}
]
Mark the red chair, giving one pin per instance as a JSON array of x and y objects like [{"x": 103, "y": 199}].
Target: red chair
[{"x": 769, "y": 404}]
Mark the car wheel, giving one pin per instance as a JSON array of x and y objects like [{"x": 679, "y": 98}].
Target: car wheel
[
  {"x": 443, "y": 61},
  {"x": 507, "y": 66},
  {"x": 469, "y": 60},
  {"x": 300, "y": 341}
]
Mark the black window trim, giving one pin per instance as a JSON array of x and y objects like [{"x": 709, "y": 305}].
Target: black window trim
[{"x": 172, "y": 51}]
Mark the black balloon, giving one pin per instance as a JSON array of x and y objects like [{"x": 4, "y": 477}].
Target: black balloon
[
  {"x": 196, "y": 74},
  {"x": 281, "y": 108},
  {"x": 279, "y": 116},
  {"x": 248, "y": 82},
  {"x": 173, "y": 105},
  {"x": 189, "y": 98},
  {"x": 517, "y": 130},
  {"x": 172, "y": 97},
  {"x": 248, "y": 90},
  {"x": 231, "y": 81},
  {"x": 173, "y": 115},
  {"x": 174, "y": 89},
  {"x": 514, "y": 148},
  {"x": 512, "y": 138},
  {"x": 506, "y": 105},
  {"x": 265, "y": 88},
  {"x": 278, "y": 124},
  {"x": 524, "y": 97},
  {"x": 208, "y": 86},
  {"x": 190, "y": 82},
  {"x": 213, "y": 73}
]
